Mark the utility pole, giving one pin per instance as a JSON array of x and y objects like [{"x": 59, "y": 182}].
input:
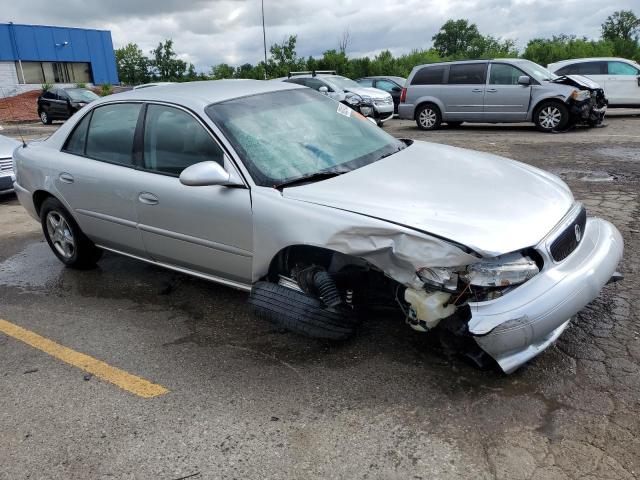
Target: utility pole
[{"x": 264, "y": 41}]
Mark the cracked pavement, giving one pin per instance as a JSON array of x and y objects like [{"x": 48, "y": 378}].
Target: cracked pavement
[{"x": 249, "y": 401}]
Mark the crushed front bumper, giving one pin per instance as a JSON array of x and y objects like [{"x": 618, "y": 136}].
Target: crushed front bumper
[{"x": 521, "y": 324}]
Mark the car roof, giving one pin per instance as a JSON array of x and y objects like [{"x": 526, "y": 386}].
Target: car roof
[
  {"x": 378, "y": 77},
  {"x": 590, "y": 59},
  {"x": 198, "y": 95}
]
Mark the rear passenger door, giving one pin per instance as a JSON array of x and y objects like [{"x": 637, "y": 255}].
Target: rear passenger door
[
  {"x": 505, "y": 100},
  {"x": 463, "y": 94},
  {"x": 95, "y": 176},
  {"x": 203, "y": 229}
]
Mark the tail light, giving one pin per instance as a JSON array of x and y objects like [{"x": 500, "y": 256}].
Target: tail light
[{"x": 403, "y": 95}]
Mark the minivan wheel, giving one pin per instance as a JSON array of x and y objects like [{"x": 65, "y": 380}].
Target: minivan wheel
[
  {"x": 551, "y": 116},
  {"x": 428, "y": 117},
  {"x": 300, "y": 313},
  {"x": 65, "y": 238},
  {"x": 44, "y": 118}
]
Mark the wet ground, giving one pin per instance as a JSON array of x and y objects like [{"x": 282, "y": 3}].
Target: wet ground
[{"x": 248, "y": 401}]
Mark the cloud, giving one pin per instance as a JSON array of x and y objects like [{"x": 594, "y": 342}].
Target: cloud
[{"x": 208, "y": 32}]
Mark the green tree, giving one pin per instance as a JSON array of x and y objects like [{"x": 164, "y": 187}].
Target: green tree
[
  {"x": 283, "y": 58},
  {"x": 133, "y": 66},
  {"x": 455, "y": 38},
  {"x": 622, "y": 30},
  {"x": 560, "y": 47},
  {"x": 165, "y": 63},
  {"x": 222, "y": 70}
]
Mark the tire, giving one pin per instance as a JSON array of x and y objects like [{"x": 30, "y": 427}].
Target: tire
[
  {"x": 551, "y": 116},
  {"x": 300, "y": 313},
  {"x": 65, "y": 238},
  {"x": 428, "y": 117},
  {"x": 454, "y": 124},
  {"x": 45, "y": 118}
]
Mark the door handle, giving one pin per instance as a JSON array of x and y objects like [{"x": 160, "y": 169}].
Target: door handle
[
  {"x": 66, "y": 177},
  {"x": 491, "y": 90},
  {"x": 477, "y": 90},
  {"x": 148, "y": 198}
]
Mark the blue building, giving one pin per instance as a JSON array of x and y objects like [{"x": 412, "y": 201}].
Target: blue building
[{"x": 31, "y": 55}]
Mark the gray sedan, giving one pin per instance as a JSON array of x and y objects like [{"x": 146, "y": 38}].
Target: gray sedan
[{"x": 278, "y": 190}]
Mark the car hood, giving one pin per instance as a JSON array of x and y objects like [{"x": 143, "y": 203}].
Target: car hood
[
  {"x": 577, "y": 81},
  {"x": 7, "y": 146},
  {"x": 490, "y": 204},
  {"x": 369, "y": 91}
]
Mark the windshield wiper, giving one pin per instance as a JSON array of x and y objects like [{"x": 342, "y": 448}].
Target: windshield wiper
[{"x": 317, "y": 176}]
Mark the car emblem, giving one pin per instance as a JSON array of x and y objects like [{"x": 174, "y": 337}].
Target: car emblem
[{"x": 578, "y": 232}]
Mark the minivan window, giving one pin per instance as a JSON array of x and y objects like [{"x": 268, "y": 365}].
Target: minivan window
[
  {"x": 584, "y": 68},
  {"x": 174, "y": 140},
  {"x": 76, "y": 141},
  {"x": 429, "y": 76},
  {"x": 503, "y": 74},
  {"x": 468, "y": 73},
  {"x": 620, "y": 68},
  {"x": 111, "y": 133}
]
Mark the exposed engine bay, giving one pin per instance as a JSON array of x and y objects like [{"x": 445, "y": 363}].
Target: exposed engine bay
[{"x": 587, "y": 104}]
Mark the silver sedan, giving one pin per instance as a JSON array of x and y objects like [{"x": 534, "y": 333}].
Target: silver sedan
[{"x": 280, "y": 191}]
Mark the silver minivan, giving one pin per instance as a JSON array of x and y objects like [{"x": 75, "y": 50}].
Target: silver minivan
[{"x": 496, "y": 91}]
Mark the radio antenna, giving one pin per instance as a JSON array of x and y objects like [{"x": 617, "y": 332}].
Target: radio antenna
[{"x": 4, "y": 97}]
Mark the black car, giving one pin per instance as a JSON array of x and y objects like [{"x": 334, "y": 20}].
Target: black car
[
  {"x": 61, "y": 103},
  {"x": 392, "y": 85}
]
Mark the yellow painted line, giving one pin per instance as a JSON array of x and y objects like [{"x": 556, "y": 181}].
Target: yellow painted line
[{"x": 126, "y": 381}]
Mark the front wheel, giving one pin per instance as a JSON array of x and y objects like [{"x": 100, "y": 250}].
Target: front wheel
[
  {"x": 65, "y": 238},
  {"x": 428, "y": 117},
  {"x": 551, "y": 116}
]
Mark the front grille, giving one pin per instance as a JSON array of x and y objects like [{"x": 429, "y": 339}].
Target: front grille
[
  {"x": 570, "y": 238},
  {"x": 6, "y": 165}
]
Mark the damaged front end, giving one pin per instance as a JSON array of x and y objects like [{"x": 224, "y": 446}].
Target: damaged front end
[{"x": 587, "y": 102}]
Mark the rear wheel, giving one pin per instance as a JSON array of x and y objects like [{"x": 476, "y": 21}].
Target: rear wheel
[
  {"x": 65, "y": 238},
  {"x": 45, "y": 118},
  {"x": 428, "y": 117},
  {"x": 551, "y": 116},
  {"x": 299, "y": 312}
]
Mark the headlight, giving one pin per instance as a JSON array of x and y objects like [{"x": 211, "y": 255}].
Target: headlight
[
  {"x": 580, "y": 95},
  {"x": 441, "y": 277},
  {"x": 503, "y": 271},
  {"x": 366, "y": 111},
  {"x": 366, "y": 99},
  {"x": 353, "y": 99}
]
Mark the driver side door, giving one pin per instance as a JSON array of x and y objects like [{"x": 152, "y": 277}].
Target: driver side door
[{"x": 205, "y": 229}]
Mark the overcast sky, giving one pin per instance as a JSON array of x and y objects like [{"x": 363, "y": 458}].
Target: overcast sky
[{"x": 208, "y": 32}]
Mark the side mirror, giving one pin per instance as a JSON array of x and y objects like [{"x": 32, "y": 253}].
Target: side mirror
[
  {"x": 324, "y": 90},
  {"x": 206, "y": 173},
  {"x": 524, "y": 80}
]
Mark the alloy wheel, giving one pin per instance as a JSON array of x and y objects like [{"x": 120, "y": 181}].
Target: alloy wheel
[
  {"x": 43, "y": 117},
  {"x": 550, "y": 117},
  {"x": 60, "y": 234},
  {"x": 428, "y": 118}
]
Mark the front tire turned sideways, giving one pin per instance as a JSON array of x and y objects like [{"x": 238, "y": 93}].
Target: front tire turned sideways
[
  {"x": 428, "y": 117},
  {"x": 65, "y": 238}
]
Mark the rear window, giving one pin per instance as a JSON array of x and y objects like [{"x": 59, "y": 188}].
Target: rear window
[
  {"x": 468, "y": 74},
  {"x": 429, "y": 76},
  {"x": 76, "y": 141},
  {"x": 111, "y": 132}
]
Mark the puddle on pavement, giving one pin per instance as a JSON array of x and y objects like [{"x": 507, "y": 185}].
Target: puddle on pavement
[
  {"x": 627, "y": 154},
  {"x": 584, "y": 175},
  {"x": 34, "y": 267}
]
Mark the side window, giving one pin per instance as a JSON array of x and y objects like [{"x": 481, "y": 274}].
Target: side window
[
  {"x": 468, "y": 74},
  {"x": 590, "y": 68},
  {"x": 620, "y": 68},
  {"x": 49, "y": 95},
  {"x": 568, "y": 70},
  {"x": 62, "y": 95},
  {"x": 385, "y": 85},
  {"x": 429, "y": 76},
  {"x": 503, "y": 74},
  {"x": 111, "y": 132},
  {"x": 77, "y": 140},
  {"x": 366, "y": 82},
  {"x": 297, "y": 81},
  {"x": 174, "y": 140}
]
